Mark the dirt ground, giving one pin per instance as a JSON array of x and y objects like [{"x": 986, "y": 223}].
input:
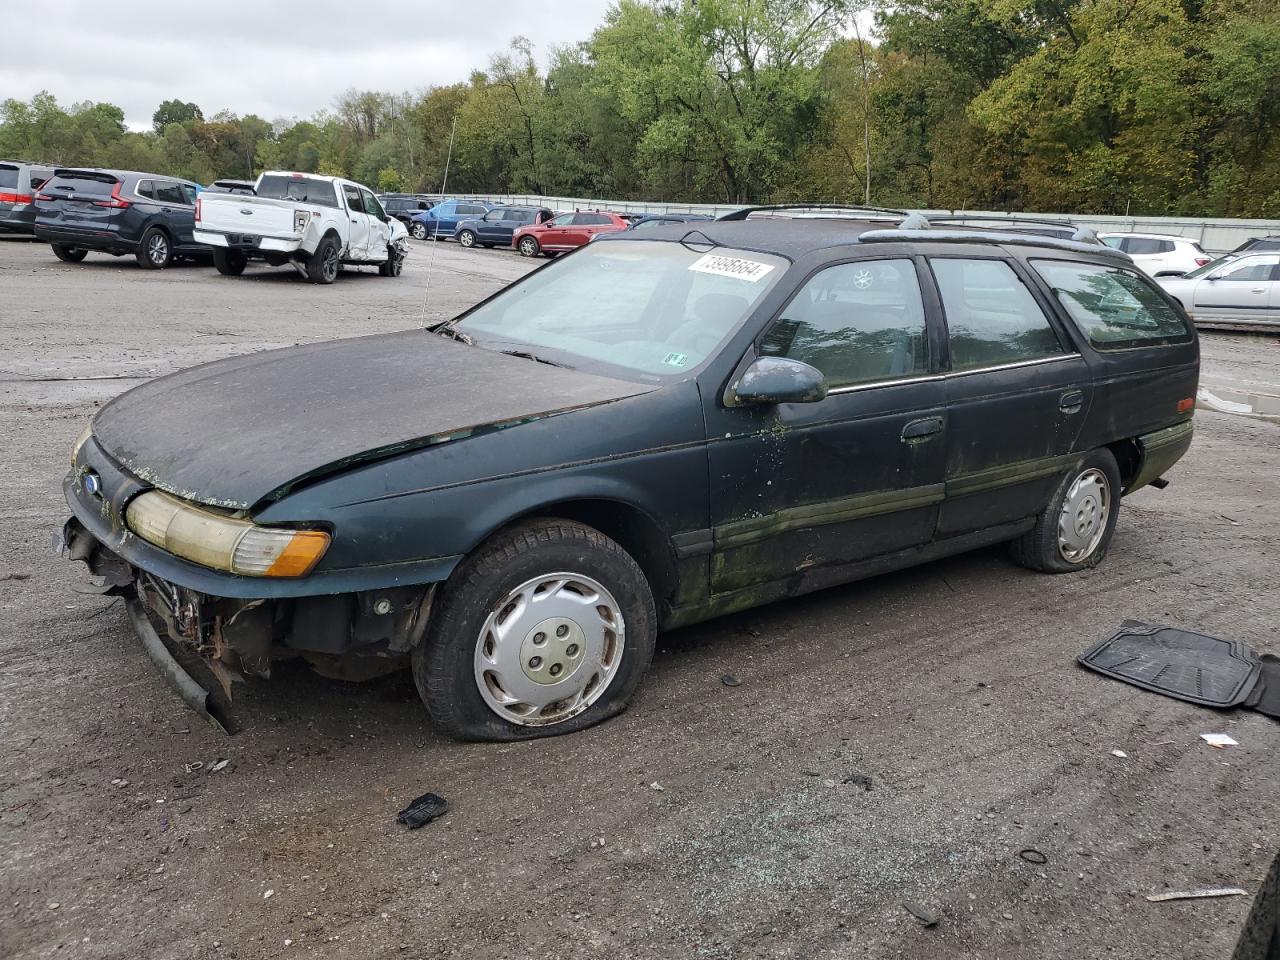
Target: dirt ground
[{"x": 901, "y": 739}]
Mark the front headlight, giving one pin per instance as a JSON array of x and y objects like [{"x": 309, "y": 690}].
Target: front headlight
[
  {"x": 223, "y": 543},
  {"x": 80, "y": 442}
]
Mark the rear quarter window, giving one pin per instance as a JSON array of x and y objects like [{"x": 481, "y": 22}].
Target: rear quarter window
[
  {"x": 8, "y": 176},
  {"x": 1114, "y": 308}
]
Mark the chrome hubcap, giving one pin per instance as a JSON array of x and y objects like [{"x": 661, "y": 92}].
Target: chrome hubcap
[
  {"x": 467, "y": 239},
  {"x": 527, "y": 248},
  {"x": 1084, "y": 515},
  {"x": 549, "y": 649}
]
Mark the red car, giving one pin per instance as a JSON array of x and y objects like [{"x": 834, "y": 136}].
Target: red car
[{"x": 565, "y": 232}]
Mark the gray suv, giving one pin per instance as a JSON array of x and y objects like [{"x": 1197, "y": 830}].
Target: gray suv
[
  {"x": 118, "y": 212},
  {"x": 19, "y": 182}
]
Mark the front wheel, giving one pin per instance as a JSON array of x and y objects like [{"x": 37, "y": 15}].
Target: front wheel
[
  {"x": 229, "y": 263},
  {"x": 322, "y": 266},
  {"x": 419, "y": 231},
  {"x": 528, "y": 247},
  {"x": 467, "y": 238},
  {"x": 547, "y": 628},
  {"x": 68, "y": 254},
  {"x": 155, "y": 251},
  {"x": 394, "y": 264},
  {"x": 1075, "y": 529}
]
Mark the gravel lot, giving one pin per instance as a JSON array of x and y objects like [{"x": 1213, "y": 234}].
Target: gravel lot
[{"x": 952, "y": 687}]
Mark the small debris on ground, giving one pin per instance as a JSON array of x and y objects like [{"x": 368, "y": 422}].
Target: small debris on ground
[
  {"x": 1032, "y": 855},
  {"x": 267, "y": 895},
  {"x": 1218, "y": 740},
  {"x": 221, "y": 764},
  {"x": 729, "y": 680},
  {"x": 422, "y": 811},
  {"x": 858, "y": 780},
  {"x": 119, "y": 782},
  {"x": 656, "y": 786},
  {"x": 1119, "y": 753},
  {"x": 16, "y": 576},
  {"x": 927, "y": 918},
  {"x": 1197, "y": 894}
]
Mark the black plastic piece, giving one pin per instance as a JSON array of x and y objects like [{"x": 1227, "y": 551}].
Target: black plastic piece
[
  {"x": 1177, "y": 663},
  {"x": 423, "y": 810}
]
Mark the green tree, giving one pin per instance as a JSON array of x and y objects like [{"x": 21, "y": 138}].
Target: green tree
[{"x": 174, "y": 111}]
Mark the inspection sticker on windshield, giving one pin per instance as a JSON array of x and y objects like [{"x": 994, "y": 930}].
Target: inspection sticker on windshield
[
  {"x": 738, "y": 267},
  {"x": 676, "y": 359}
]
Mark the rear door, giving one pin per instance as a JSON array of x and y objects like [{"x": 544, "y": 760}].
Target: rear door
[
  {"x": 1243, "y": 291},
  {"x": 82, "y": 200},
  {"x": 176, "y": 210},
  {"x": 494, "y": 227},
  {"x": 15, "y": 196},
  {"x": 1017, "y": 394}
]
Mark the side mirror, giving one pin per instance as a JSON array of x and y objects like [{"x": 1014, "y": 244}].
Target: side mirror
[{"x": 772, "y": 380}]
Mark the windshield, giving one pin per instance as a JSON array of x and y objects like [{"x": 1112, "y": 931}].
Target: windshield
[
  {"x": 1209, "y": 267},
  {"x": 657, "y": 308}
]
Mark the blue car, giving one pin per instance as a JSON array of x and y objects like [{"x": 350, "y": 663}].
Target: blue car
[
  {"x": 497, "y": 227},
  {"x": 442, "y": 219}
]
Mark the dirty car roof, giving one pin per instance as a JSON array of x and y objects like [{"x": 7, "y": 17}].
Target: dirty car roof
[{"x": 790, "y": 237}]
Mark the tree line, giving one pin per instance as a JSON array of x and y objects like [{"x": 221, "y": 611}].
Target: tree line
[{"x": 1157, "y": 107}]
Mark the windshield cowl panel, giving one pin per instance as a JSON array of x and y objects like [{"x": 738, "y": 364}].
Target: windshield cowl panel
[{"x": 654, "y": 309}]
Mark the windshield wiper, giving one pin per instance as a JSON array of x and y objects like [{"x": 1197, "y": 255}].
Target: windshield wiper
[
  {"x": 447, "y": 329},
  {"x": 526, "y": 355}
]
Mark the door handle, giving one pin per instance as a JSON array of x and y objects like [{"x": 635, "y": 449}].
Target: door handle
[
  {"x": 1071, "y": 401},
  {"x": 921, "y": 429},
  {"x": 1258, "y": 290}
]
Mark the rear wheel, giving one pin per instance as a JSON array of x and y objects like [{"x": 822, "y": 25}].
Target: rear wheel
[
  {"x": 528, "y": 247},
  {"x": 229, "y": 263},
  {"x": 68, "y": 254},
  {"x": 155, "y": 251},
  {"x": 322, "y": 266},
  {"x": 419, "y": 230},
  {"x": 1075, "y": 529},
  {"x": 467, "y": 238},
  {"x": 547, "y": 628},
  {"x": 394, "y": 264}
]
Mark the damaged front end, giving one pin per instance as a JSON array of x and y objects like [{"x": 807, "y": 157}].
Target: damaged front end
[{"x": 348, "y": 636}]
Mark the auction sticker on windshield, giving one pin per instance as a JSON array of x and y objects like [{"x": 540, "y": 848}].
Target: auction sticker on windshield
[{"x": 739, "y": 268}]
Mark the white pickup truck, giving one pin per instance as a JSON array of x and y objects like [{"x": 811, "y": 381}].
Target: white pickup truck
[{"x": 314, "y": 223}]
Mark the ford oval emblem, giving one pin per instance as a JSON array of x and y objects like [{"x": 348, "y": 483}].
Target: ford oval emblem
[
  {"x": 92, "y": 483},
  {"x": 246, "y": 211}
]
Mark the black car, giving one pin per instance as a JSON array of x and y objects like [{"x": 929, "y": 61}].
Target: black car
[
  {"x": 498, "y": 226},
  {"x": 404, "y": 207},
  {"x": 651, "y": 220},
  {"x": 645, "y": 433},
  {"x": 118, "y": 212},
  {"x": 19, "y": 182}
]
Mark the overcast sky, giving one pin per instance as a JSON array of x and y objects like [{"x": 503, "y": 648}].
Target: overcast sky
[{"x": 275, "y": 58}]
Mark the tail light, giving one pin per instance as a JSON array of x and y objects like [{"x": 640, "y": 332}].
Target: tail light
[
  {"x": 44, "y": 196},
  {"x": 15, "y": 198},
  {"x": 1202, "y": 261},
  {"x": 197, "y": 209},
  {"x": 116, "y": 202},
  {"x": 1186, "y": 405}
]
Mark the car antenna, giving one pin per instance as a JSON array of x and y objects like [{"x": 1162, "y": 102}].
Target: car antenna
[{"x": 431, "y": 263}]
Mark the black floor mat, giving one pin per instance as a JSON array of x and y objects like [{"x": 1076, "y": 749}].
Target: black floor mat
[
  {"x": 1185, "y": 665},
  {"x": 1266, "y": 695}
]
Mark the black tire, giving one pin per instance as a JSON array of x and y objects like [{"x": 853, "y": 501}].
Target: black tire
[
  {"x": 418, "y": 230},
  {"x": 467, "y": 238},
  {"x": 68, "y": 254},
  {"x": 1041, "y": 548},
  {"x": 323, "y": 265},
  {"x": 229, "y": 263},
  {"x": 394, "y": 264},
  {"x": 155, "y": 249},
  {"x": 529, "y": 247},
  {"x": 444, "y": 662}
]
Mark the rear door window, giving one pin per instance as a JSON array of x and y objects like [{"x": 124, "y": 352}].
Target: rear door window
[
  {"x": 1249, "y": 270},
  {"x": 169, "y": 192},
  {"x": 591, "y": 220},
  {"x": 992, "y": 318},
  {"x": 1113, "y": 307},
  {"x": 352, "y": 193},
  {"x": 856, "y": 322}
]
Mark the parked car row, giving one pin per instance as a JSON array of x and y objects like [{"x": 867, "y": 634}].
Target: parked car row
[{"x": 313, "y": 222}]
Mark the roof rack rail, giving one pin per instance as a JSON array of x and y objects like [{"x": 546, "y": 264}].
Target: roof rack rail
[
  {"x": 1083, "y": 240},
  {"x": 1001, "y": 218},
  {"x": 849, "y": 207}
]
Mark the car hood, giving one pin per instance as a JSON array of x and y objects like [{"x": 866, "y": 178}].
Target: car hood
[{"x": 237, "y": 432}]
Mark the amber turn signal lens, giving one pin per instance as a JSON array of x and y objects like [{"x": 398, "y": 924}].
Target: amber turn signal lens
[{"x": 1186, "y": 405}]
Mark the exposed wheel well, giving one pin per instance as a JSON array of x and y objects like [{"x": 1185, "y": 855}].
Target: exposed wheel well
[
  {"x": 1128, "y": 458},
  {"x": 632, "y": 529}
]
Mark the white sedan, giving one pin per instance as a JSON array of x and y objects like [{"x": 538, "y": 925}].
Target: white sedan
[{"x": 1235, "y": 292}]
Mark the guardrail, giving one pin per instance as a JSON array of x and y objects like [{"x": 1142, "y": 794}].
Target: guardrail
[{"x": 1215, "y": 235}]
